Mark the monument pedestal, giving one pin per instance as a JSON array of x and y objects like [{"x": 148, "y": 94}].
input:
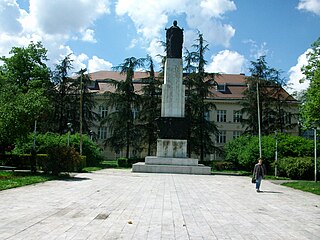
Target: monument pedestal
[
  {"x": 171, "y": 158},
  {"x": 177, "y": 167}
]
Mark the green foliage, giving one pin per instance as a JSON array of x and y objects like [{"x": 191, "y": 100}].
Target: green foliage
[
  {"x": 62, "y": 159},
  {"x": 273, "y": 100},
  {"x": 294, "y": 146},
  {"x": 222, "y": 166},
  {"x": 26, "y": 66},
  {"x": 122, "y": 162},
  {"x": 244, "y": 150},
  {"x": 24, "y": 83},
  {"x": 311, "y": 106},
  {"x": 44, "y": 142},
  {"x": 150, "y": 108},
  {"x": 199, "y": 85},
  {"x": 65, "y": 97},
  {"x": 124, "y": 132},
  {"x": 296, "y": 167}
]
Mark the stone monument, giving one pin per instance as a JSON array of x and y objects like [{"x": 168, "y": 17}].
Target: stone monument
[{"x": 172, "y": 143}]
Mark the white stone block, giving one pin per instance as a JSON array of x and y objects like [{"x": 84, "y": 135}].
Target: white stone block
[
  {"x": 152, "y": 160},
  {"x": 174, "y": 148},
  {"x": 142, "y": 167},
  {"x": 173, "y": 91}
]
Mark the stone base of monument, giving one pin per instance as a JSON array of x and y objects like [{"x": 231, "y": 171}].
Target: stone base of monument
[
  {"x": 154, "y": 164},
  {"x": 171, "y": 158}
]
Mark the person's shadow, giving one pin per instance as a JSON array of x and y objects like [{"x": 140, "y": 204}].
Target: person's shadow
[{"x": 270, "y": 192}]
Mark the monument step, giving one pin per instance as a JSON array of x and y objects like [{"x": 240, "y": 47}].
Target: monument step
[
  {"x": 154, "y": 160},
  {"x": 146, "y": 168}
]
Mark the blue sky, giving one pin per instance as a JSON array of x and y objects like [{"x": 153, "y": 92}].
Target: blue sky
[{"x": 102, "y": 33}]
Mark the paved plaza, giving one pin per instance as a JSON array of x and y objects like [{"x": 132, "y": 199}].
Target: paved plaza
[{"x": 119, "y": 204}]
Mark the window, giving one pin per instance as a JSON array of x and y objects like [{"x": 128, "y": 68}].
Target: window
[
  {"x": 135, "y": 113},
  {"x": 207, "y": 116},
  {"x": 288, "y": 118},
  {"x": 221, "y": 115},
  {"x": 103, "y": 111},
  {"x": 221, "y": 138},
  {"x": 221, "y": 87},
  {"x": 102, "y": 133},
  {"x": 236, "y": 134},
  {"x": 237, "y": 116}
]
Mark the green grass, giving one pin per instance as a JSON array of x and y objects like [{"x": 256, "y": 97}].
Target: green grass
[
  {"x": 272, "y": 177},
  {"x": 91, "y": 169},
  {"x": 236, "y": 172},
  {"x": 307, "y": 186},
  {"x": 109, "y": 164},
  {"x": 17, "y": 179}
]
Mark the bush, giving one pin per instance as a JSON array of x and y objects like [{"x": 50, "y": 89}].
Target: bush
[
  {"x": 62, "y": 159},
  {"x": 44, "y": 142},
  {"x": 122, "y": 162},
  {"x": 296, "y": 167},
  {"x": 244, "y": 150},
  {"x": 220, "y": 166}
]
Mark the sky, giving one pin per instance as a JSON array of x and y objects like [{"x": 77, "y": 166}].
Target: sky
[{"x": 100, "y": 34}]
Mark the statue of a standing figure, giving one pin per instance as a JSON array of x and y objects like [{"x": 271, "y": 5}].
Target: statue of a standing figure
[{"x": 174, "y": 39}]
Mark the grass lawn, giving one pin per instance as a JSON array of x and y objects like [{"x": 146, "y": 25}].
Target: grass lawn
[
  {"x": 235, "y": 172},
  {"x": 91, "y": 169},
  {"x": 307, "y": 186},
  {"x": 18, "y": 179}
]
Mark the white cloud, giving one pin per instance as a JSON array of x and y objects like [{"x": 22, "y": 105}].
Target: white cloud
[
  {"x": 51, "y": 22},
  {"x": 155, "y": 49},
  {"x": 226, "y": 62},
  {"x": 151, "y": 17},
  {"x": 9, "y": 17},
  {"x": 88, "y": 36},
  {"x": 216, "y": 8},
  {"x": 64, "y": 17},
  {"x": 78, "y": 62},
  {"x": 296, "y": 81},
  {"x": 310, "y": 6},
  {"x": 97, "y": 64},
  {"x": 257, "y": 50}
]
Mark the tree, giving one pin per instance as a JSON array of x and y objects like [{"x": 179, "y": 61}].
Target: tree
[
  {"x": 24, "y": 81},
  {"x": 150, "y": 107},
  {"x": 61, "y": 96},
  {"x": 273, "y": 100},
  {"x": 124, "y": 101},
  {"x": 311, "y": 105},
  {"x": 199, "y": 84},
  {"x": 26, "y": 67},
  {"x": 66, "y": 98}
]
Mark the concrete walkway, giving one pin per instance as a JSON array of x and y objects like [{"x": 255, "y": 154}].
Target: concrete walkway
[{"x": 119, "y": 204}]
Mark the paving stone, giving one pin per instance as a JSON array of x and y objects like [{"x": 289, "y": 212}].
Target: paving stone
[{"x": 119, "y": 204}]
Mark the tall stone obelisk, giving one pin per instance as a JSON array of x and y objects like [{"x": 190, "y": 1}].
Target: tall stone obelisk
[{"x": 172, "y": 143}]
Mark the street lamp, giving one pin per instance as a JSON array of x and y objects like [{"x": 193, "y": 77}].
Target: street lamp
[
  {"x": 259, "y": 121},
  {"x": 315, "y": 153},
  {"x": 34, "y": 135},
  {"x": 69, "y": 130},
  {"x": 276, "y": 156}
]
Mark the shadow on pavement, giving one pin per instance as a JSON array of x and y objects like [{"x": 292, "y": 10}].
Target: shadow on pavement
[
  {"x": 75, "y": 179},
  {"x": 270, "y": 192}
]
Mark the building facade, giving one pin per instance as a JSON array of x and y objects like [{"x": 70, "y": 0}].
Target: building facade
[{"x": 227, "y": 96}]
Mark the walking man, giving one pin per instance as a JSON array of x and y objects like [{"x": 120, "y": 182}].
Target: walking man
[{"x": 259, "y": 172}]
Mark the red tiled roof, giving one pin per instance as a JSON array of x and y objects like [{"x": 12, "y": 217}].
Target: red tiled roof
[{"x": 235, "y": 84}]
